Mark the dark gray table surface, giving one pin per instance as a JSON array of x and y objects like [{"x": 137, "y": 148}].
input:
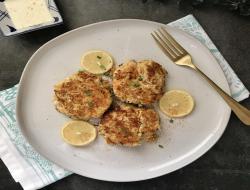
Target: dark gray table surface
[{"x": 227, "y": 164}]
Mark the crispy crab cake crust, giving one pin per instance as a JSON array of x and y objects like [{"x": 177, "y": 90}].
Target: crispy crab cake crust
[
  {"x": 139, "y": 82},
  {"x": 129, "y": 126},
  {"x": 82, "y": 96}
]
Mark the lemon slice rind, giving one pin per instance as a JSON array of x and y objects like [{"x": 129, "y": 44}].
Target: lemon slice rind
[
  {"x": 78, "y": 133},
  {"x": 176, "y": 103},
  {"x": 97, "y": 61}
]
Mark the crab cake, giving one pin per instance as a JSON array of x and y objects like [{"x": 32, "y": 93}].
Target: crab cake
[
  {"x": 82, "y": 96},
  {"x": 139, "y": 82},
  {"x": 129, "y": 126}
]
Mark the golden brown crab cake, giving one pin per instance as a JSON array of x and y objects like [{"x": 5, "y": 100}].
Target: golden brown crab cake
[
  {"x": 149, "y": 124},
  {"x": 129, "y": 126},
  {"x": 82, "y": 96},
  {"x": 139, "y": 82}
]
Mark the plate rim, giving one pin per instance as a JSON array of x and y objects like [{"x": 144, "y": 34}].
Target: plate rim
[{"x": 177, "y": 166}]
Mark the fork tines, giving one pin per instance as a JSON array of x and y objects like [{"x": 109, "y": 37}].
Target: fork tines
[{"x": 168, "y": 44}]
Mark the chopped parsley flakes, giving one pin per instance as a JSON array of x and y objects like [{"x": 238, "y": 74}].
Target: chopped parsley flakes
[
  {"x": 136, "y": 85},
  {"x": 102, "y": 66},
  {"x": 140, "y": 78},
  {"x": 160, "y": 146},
  {"x": 88, "y": 92},
  {"x": 90, "y": 104}
]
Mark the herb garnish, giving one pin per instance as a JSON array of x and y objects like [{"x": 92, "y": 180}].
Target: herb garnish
[
  {"x": 90, "y": 104},
  {"x": 140, "y": 78},
  {"x": 136, "y": 84},
  {"x": 107, "y": 74},
  {"x": 88, "y": 92},
  {"x": 161, "y": 146},
  {"x": 98, "y": 57},
  {"x": 102, "y": 66}
]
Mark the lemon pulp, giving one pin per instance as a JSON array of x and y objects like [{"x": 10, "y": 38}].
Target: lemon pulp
[
  {"x": 78, "y": 133},
  {"x": 97, "y": 61},
  {"x": 176, "y": 103}
]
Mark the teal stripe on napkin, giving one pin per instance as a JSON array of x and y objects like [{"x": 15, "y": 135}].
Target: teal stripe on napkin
[{"x": 44, "y": 169}]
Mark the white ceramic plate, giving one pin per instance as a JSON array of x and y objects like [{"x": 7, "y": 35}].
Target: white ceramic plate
[{"x": 184, "y": 140}]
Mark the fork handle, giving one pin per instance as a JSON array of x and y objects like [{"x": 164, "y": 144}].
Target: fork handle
[{"x": 240, "y": 111}]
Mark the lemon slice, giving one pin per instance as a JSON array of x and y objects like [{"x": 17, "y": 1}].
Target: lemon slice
[
  {"x": 78, "y": 133},
  {"x": 97, "y": 62},
  {"x": 176, "y": 103}
]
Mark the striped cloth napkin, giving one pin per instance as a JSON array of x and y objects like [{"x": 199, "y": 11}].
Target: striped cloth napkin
[{"x": 33, "y": 171}]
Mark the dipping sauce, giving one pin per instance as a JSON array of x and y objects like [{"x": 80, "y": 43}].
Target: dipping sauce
[{"x": 26, "y": 13}]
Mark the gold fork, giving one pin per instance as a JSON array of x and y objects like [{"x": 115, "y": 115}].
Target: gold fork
[{"x": 172, "y": 49}]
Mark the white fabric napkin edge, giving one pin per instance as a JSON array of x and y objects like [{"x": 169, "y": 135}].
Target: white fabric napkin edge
[{"x": 17, "y": 166}]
